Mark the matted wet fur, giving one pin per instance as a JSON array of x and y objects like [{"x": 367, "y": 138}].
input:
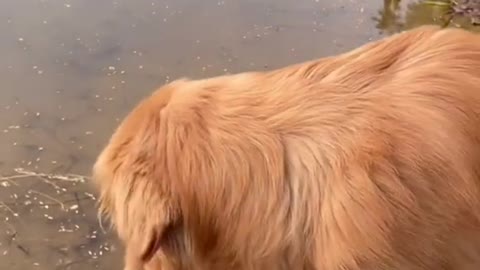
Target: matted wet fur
[{"x": 365, "y": 160}]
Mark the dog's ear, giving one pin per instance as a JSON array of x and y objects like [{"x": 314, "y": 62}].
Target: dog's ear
[
  {"x": 136, "y": 191},
  {"x": 153, "y": 213}
]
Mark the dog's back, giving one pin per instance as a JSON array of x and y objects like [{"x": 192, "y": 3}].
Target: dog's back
[{"x": 366, "y": 160}]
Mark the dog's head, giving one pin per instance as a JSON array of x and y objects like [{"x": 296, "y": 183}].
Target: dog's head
[{"x": 188, "y": 176}]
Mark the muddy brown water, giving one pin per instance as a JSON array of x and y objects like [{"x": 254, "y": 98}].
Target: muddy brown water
[{"x": 70, "y": 69}]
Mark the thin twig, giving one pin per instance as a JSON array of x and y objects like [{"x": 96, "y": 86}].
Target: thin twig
[
  {"x": 2, "y": 204},
  {"x": 48, "y": 197},
  {"x": 50, "y": 182},
  {"x": 12, "y": 177},
  {"x": 22, "y": 174},
  {"x": 67, "y": 177},
  {"x": 80, "y": 199}
]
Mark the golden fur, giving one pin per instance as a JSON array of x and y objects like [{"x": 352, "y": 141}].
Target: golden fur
[{"x": 365, "y": 160}]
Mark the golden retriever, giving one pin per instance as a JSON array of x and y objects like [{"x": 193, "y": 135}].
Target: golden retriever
[{"x": 365, "y": 160}]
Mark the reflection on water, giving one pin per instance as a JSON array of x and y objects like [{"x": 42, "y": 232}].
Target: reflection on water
[
  {"x": 399, "y": 15},
  {"x": 71, "y": 69}
]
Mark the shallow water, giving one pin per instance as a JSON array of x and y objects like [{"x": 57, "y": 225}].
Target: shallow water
[{"x": 71, "y": 69}]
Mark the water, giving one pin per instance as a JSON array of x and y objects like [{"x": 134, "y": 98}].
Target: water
[{"x": 70, "y": 70}]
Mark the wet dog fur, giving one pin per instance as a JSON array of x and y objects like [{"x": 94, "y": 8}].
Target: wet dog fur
[{"x": 365, "y": 160}]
